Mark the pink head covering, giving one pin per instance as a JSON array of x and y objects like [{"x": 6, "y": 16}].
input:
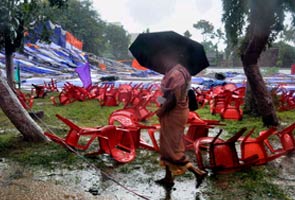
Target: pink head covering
[{"x": 175, "y": 77}]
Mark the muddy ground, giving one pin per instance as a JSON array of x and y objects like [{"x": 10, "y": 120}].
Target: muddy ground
[{"x": 87, "y": 182}]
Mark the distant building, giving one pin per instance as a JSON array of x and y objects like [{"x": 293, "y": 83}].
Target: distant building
[{"x": 267, "y": 58}]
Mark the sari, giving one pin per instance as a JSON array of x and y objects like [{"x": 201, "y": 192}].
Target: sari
[{"x": 172, "y": 149}]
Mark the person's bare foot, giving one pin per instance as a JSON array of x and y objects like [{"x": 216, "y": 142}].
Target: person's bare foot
[
  {"x": 199, "y": 179},
  {"x": 199, "y": 174},
  {"x": 165, "y": 182}
]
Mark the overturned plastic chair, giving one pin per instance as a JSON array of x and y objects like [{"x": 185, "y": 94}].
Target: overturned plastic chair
[
  {"x": 223, "y": 156},
  {"x": 286, "y": 138},
  {"x": 138, "y": 112},
  {"x": 26, "y": 100},
  {"x": 129, "y": 123},
  {"x": 260, "y": 146},
  {"x": 197, "y": 128},
  {"x": 117, "y": 142},
  {"x": 72, "y": 138}
]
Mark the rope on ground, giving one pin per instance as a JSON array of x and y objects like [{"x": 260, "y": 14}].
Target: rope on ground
[{"x": 91, "y": 164}]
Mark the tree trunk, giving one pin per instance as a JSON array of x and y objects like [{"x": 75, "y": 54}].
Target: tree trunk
[
  {"x": 250, "y": 106},
  {"x": 21, "y": 119},
  {"x": 9, "y": 68},
  {"x": 262, "y": 19},
  {"x": 262, "y": 97},
  {"x": 263, "y": 100}
]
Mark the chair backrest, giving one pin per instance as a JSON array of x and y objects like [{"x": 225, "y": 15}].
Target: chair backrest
[
  {"x": 230, "y": 86},
  {"x": 237, "y": 135},
  {"x": 108, "y": 131},
  {"x": 287, "y": 137}
]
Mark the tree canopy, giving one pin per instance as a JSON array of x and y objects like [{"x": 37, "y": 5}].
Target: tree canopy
[
  {"x": 262, "y": 21},
  {"x": 98, "y": 36},
  {"x": 240, "y": 15}
]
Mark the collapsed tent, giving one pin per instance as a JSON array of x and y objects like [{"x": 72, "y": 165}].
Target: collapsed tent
[{"x": 58, "y": 35}]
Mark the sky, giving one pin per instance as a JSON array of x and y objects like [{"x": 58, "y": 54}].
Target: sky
[{"x": 137, "y": 16}]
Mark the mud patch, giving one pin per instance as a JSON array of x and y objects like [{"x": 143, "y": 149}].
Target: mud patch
[
  {"x": 286, "y": 176},
  {"x": 19, "y": 183}
]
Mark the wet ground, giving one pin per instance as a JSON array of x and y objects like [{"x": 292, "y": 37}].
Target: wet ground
[
  {"x": 20, "y": 183},
  {"x": 88, "y": 182}
]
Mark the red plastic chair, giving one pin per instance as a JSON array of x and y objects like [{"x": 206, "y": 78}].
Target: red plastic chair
[
  {"x": 258, "y": 146},
  {"x": 110, "y": 97},
  {"x": 26, "y": 100},
  {"x": 39, "y": 91},
  {"x": 51, "y": 86},
  {"x": 223, "y": 156},
  {"x": 73, "y": 136},
  {"x": 232, "y": 107},
  {"x": 118, "y": 143},
  {"x": 137, "y": 112},
  {"x": 219, "y": 101},
  {"x": 124, "y": 93},
  {"x": 286, "y": 99},
  {"x": 230, "y": 86},
  {"x": 156, "y": 92},
  {"x": 129, "y": 123},
  {"x": 197, "y": 128},
  {"x": 286, "y": 138}
]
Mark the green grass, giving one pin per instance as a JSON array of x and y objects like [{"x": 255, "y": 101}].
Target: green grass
[
  {"x": 255, "y": 183},
  {"x": 252, "y": 184}
]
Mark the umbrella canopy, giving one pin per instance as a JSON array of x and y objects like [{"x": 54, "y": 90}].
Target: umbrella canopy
[{"x": 152, "y": 50}]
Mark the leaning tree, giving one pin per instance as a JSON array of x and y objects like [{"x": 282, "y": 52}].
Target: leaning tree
[
  {"x": 261, "y": 20},
  {"x": 15, "y": 18}
]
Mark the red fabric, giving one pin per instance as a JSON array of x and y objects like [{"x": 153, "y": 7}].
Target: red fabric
[
  {"x": 74, "y": 41},
  {"x": 137, "y": 66},
  {"x": 293, "y": 69},
  {"x": 172, "y": 149}
]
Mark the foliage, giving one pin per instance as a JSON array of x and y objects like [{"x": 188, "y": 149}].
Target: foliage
[
  {"x": 238, "y": 12},
  {"x": 17, "y": 16},
  {"x": 206, "y": 27},
  {"x": 286, "y": 55},
  {"x": 85, "y": 23},
  {"x": 187, "y": 34},
  {"x": 208, "y": 32},
  {"x": 270, "y": 71},
  {"x": 118, "y": 40},
  {"x": 77, "y": 17},
  {"x": 11, "y": 23},
  {"x": 262, "y": 22},
  {"x": 289, "y": 34}
]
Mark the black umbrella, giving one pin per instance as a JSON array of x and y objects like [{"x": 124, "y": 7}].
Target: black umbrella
[{"x": 150, "y": 49}]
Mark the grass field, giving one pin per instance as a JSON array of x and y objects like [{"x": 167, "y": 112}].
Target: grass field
[{"x": 255, "y": 183}]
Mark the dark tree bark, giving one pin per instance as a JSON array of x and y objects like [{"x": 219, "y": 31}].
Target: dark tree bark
[
  {"x": 250, "y": 106},
  {"x": 255, "y": 42},
  {"x": 9, "y": 68},
  {"x": 262, "y": 98},
  {"x": 21, "y": 119},
  {"x": 10, "y": 47}
]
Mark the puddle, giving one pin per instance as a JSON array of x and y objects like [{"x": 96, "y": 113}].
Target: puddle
[
  {"x": 17, "y": 182},
  {"x": 87, "y": 183}
]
